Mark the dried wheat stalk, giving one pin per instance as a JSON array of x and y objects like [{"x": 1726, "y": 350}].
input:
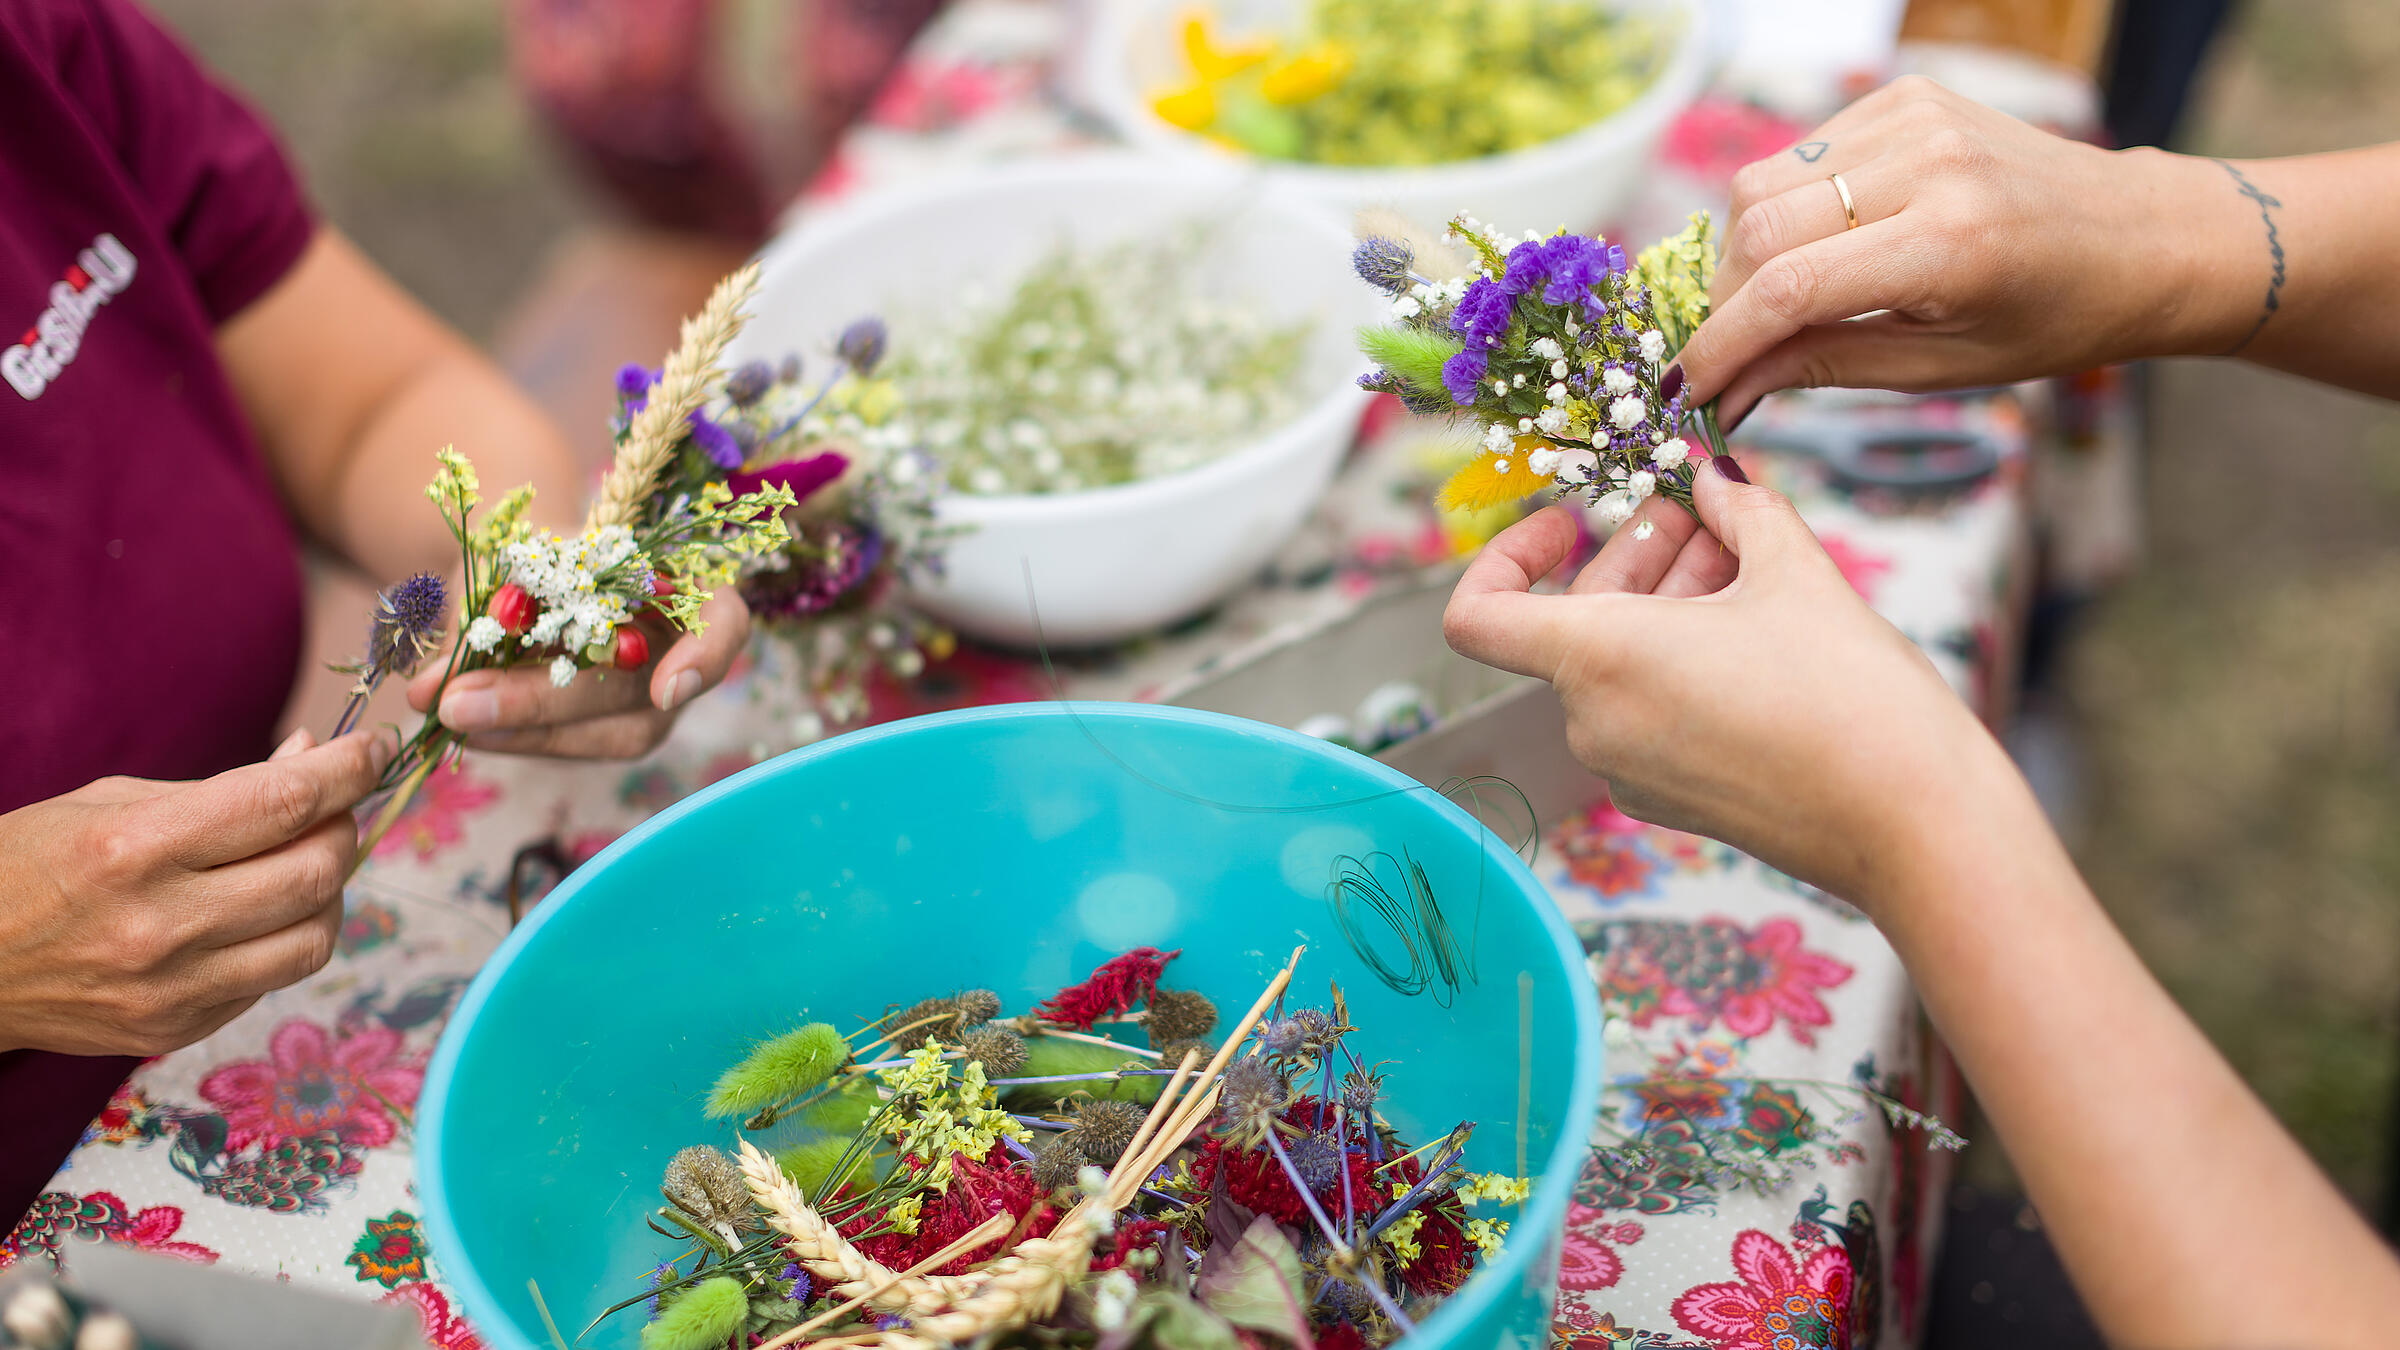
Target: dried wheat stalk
[{"x": 687, "y": 381}]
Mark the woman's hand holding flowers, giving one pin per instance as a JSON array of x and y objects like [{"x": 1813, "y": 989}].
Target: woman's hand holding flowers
[
  {"x": 138, "y": 916},
  {"x": 615, "y": 714},
  {"x": 1725, "y": 679},
  {"x": 1986, "y": 251}
]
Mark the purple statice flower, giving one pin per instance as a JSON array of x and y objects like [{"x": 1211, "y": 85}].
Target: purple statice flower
[
  {"x": 1483, "y": 313},
  {"x": 1617, "y": 261},
  {"x": 1574, "y": 265},
  {"x": 862, "y": 344},
  {"x": 749, "y": 383},
  {"x": 633, "y": 385},
  {"x": 1463, "y": 374},
  {"x": 1528, "y": 266},
  {"x": 715, "y": 441},
  {"x": 890, "y": 1322}
]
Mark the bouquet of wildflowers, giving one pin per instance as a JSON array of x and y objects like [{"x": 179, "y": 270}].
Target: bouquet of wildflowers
[
  {"x": 948, "y": 1175},
  {"x": 668, "y": 526},
  {"x": 861, "y": 515},
  {"x": 1555, "y": 349}
]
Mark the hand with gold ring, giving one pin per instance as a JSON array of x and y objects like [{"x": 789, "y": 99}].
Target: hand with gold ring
[{"x": 1918, "y": 240}]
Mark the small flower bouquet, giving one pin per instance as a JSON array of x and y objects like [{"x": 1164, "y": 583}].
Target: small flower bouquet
[
  {"x": 1555, "y": 348},
  {"x": 963, "y": 1178},
  {"x": 666, "y": 529},
  {"x": 861, "y": 517}
]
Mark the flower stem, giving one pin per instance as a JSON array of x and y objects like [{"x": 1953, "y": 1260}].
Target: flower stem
[
  {"x": 1065, "y": 1035},
  {"x": 401, "y": 796}
]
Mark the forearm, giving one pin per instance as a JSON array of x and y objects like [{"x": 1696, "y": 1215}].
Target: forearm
[
  {"x": 2286, "y": 262},
  {"x": 379, "y": 517},
  {"x": 352, "y": 386},
  {"x": 2134, "y": 1138}
]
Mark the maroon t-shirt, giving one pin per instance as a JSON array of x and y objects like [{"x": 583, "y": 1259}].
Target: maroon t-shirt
[{"x": 151, "y": 618}]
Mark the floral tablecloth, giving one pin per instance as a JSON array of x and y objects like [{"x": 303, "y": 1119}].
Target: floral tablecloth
[{"x": 1745, "y": 1191}]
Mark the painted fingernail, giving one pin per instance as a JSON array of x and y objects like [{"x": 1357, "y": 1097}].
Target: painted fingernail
[
  {"x": 1672, "y": 383},
  {"x": 293, "y": 744},
  {"x": 1725, "y": 465},
  {"x": 681, "y": 690},
  {"x": 471, "y": 710}
]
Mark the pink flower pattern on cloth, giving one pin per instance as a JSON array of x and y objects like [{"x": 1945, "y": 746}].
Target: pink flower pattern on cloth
[
  {"x": 1780, "y": 1301},
  {"x": 312, "y": 1083}
]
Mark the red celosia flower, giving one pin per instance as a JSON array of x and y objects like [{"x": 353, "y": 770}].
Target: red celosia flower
[
  {"x": 979, "y": 1189},
  {"x": 1445, "y": 1257},
  {"x": 1139, "y": 1235},
  {"x": 1119, "y": 985},
  {"x": 1253, "y": 1179},
  {"x": 1340, "y": 1336}
]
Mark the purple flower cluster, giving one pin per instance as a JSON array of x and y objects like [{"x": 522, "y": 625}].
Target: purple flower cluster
[
  {"x": 1566, "y": 267},
  {"x": 1461, "y": 374},
  {"x": 813, "y": 585},
  {"x": 715, "y": 441}
]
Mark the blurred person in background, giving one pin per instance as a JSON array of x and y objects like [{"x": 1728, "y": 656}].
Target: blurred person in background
[
  {"x": 1725, "y": 679},
  {"x": 206, "y": 376}
]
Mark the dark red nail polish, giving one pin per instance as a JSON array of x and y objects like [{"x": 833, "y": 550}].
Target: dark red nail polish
[
  {"x": 1672, "y": 383},
  {"x": 1725, "y": 465}
]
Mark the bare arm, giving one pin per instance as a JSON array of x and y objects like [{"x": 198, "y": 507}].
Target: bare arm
[
  {"x": 1740, "y": 688},
  {"x": 351, "y": 386},
  {"x": 1987, "y": 251}
]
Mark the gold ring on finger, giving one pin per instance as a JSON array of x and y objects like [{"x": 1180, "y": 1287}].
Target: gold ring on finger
[{"x": 1849, "y": 205}]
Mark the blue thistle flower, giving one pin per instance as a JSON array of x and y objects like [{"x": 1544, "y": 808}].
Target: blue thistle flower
[
  {"x": 406, "y": 626},
  {"x": 1318, "y": 1160},
  {"x": 798, "y": 1286},
  {"x": 862, "y": 343},
  {"x": 1385, "y": 264},
  {"x": 789, "y": 371},
  {"x": 749, "y": 383}
]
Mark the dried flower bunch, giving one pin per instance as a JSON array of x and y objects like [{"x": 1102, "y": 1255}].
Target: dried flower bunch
[
  {"x": 1025, "y": 1181},
  {"x": 835, "y": 435},
  {"x": 1555, "y": 349},
  {"x": 661, "y": 534},
  {"x": 1063, "y": 385}
]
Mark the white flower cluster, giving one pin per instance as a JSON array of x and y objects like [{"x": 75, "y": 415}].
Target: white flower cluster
[
  {"x": 1427, "y": 295},
  {"x": 563, "y": 576}
]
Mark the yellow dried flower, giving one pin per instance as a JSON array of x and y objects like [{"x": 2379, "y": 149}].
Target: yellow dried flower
[
  {"x": 1490, "y": 480},
  {"x": 1486, "y": 1235}
]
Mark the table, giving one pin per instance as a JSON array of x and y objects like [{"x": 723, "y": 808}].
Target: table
[{"x": 1749, "y": 1008}]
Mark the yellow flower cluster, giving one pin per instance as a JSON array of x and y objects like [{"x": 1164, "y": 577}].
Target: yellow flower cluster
[
  {"x": 1486, "y": 1235},
  {"x": 1678, "y": 270},
  {"x": 1494, "y": 1186},
  {"x": 950, "y": 1116}
]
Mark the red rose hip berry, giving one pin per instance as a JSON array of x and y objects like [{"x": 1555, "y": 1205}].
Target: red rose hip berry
[
  {"x": 633, "y": 650},
  {"x": 511, "y": 608}
]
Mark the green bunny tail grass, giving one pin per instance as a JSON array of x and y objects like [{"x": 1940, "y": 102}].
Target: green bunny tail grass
[
  {"x": 779, "y": 1069},
  {"x": 704, "y": 1318},
  {"x": 811, "y": 1164},
  {"x": 1414, "y": 354},
  {"x": 1047, "y": 1055}
]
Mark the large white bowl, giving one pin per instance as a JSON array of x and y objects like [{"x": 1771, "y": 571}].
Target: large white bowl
[
  {"x": 1114, "y": 562},
  {"x": 1582, "y": 180}
]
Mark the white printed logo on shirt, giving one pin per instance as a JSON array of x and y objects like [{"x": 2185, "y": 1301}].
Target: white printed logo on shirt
[{"x": 97, "y": 274}]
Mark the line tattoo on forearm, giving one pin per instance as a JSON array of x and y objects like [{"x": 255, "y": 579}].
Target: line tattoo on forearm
[{"x": 2267, "y": 207}]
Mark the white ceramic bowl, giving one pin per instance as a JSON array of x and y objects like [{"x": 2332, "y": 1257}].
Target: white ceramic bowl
[
  {"x": 1581, "y": 180},
  {"x": 1113, "y": 562}
]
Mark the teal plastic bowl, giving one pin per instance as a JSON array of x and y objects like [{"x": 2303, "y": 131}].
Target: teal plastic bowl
[{"x": 1008, "y": 848}]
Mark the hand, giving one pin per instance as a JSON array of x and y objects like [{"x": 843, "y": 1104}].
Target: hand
[
  {"x": 604, "y": 714},
  {"x": 1986, "y": 251},
  {"x": 137, "y": 917},
  {"x": 1726, "y": 680}
]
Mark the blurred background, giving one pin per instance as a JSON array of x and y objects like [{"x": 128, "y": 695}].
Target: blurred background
[{"x": 2219, "y": 732}]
